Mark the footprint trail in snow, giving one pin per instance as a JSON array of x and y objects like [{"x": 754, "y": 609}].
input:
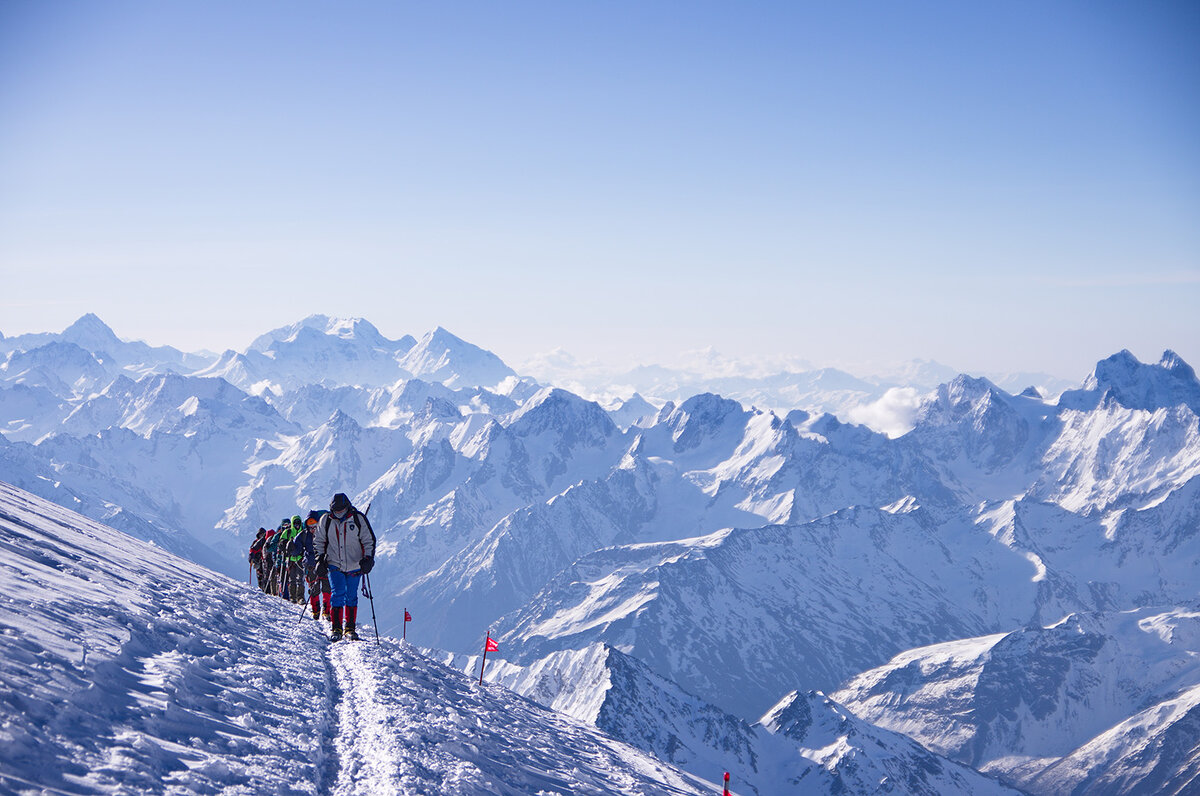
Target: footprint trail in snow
[{"x": 407, "y": 724}]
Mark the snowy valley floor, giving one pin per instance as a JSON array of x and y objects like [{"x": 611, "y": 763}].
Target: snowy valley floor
[{"x": 124, "y": 670}]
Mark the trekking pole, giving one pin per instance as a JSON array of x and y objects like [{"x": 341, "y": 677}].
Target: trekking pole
[
  {"x": 303, "y": 611},
  {"x": 367, "y": 593},
  {"x": 367, "y": 589}
]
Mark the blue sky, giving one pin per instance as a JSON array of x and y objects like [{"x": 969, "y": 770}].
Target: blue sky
[{"x": 996, "y": 186}]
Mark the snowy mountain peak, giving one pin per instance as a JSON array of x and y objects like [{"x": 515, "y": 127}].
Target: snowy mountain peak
[
  {"x": 703, "y": 416},
  {"x": 442, "y": 339},
  {"x": 633, "y": 411},
  {"x": 64, "y": 368},
  {"x": 349, "y": 329},
  {"x": 1136, "y": 385},
  {"x": 92, "y": 334},
  {"x": 963, "y": 390},
  {"x": 554, "y": 409},
  {"x": 977, "y": 406},
  {"x": 341, "y": 423},
  {"x": 441, "y": 356},
  {"x": 437, "y": 408},
  {"x": 57, "y": 354},
  {"x": 709, "y": 406},
  {"x": 353, "y": 328},
  {"x": 791, "y": 717},
  {"x": 1173, "y": 362}
]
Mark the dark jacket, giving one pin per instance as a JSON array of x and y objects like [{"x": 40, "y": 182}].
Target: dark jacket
[{"x": 256, "y": 547}]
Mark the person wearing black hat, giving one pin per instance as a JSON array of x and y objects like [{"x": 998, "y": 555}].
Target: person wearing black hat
[
  {"x": 344, "y": 543},
  {"x": 256, "y": 557}
]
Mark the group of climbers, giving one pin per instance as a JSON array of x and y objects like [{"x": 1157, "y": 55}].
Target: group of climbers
[{"x": 328, "y": 552}]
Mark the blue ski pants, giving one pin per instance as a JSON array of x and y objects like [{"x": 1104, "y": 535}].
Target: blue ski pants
[{"x": 343, "y": 587}]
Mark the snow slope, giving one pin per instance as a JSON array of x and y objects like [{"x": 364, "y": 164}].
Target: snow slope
[
  {"x": 1054, "y": 708},
  {"x": 806, "y": 741},
  {"x": 126, "y": 669}
]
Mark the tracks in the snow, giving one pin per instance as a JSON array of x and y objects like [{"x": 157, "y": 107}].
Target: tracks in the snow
[
  {"x": 363, "y": 751},
  {"x": 329, "y": 761}
]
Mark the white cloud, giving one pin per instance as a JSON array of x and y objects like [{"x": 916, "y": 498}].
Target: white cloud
[{"x": 893, "y": 414}]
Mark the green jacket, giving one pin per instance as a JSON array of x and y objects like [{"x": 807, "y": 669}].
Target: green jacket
[{"x": 293, "y": 551}]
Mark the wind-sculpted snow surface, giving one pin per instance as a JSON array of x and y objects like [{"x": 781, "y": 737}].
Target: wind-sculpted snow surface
[{"x": 124, "y": 669}]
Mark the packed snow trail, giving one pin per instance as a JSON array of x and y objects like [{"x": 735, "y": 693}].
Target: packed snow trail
[
  {"x": 407, "y": 724},
  {"x": 127, "y": 670}
]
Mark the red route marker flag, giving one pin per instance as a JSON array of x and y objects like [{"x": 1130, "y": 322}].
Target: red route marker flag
[
  {"x": 488, "y": 646},
  {"x": 407, "y": 616},
  {"x": 727, "y": 793},
  {"x": 407, "y": 619}
]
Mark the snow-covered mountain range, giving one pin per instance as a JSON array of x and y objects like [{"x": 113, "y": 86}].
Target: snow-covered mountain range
[
  {"x": 766, "y": 383},
  {"x": 1097, "y": 702},
  {"x": 736, "y": 562}
]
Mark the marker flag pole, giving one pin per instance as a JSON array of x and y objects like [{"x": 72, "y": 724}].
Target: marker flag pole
[
  {"x": 407, "y": 619},
  {"x": 727, "y": 793},
  {"x": 488, "y": 646}
]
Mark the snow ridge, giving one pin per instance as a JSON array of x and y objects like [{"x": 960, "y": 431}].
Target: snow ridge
[{"x": 125, "y": 667}]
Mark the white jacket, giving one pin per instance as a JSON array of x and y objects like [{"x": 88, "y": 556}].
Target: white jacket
[{"x": 344, "y": 542}]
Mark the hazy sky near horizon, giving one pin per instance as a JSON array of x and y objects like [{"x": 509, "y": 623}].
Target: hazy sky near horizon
[{"x": 997, "y": 186}]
